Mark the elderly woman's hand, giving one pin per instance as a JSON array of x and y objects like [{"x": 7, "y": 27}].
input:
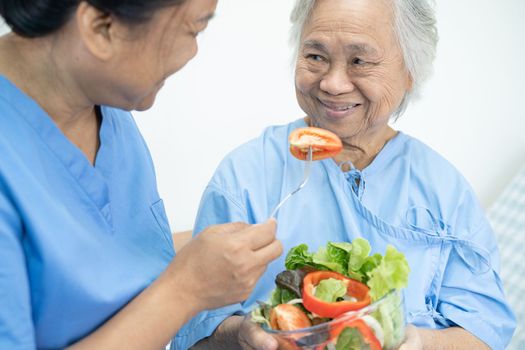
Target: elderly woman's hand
[
  {"x": 236, "y": 333},
  {"x": 252, "y": 336},
  {"x": 412, "y": 339},
  {"x": 447, "y": 338}
]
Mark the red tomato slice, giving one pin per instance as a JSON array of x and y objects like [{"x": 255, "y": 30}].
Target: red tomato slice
[
  {"x": 325, "y": 144},
  {"x": 286, "y": 317}
]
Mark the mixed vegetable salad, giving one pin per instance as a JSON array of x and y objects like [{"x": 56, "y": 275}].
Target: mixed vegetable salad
[{"x": 321, "y": 288}]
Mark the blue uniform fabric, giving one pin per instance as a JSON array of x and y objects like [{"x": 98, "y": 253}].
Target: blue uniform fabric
[
  {"x": 409, "y": 197},
  {"x": 77, "y": 242}
]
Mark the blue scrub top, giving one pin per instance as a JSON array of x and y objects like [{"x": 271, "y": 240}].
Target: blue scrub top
[
  {"x": 409, "y": 197},
  {"x": 77, "y": 242}
]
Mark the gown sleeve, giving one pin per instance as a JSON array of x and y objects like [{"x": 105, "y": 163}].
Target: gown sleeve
[
  {"x": 471, "y": 296},
  {"x": 16, "y": 325},
  {"x": 217, "y": 207}
]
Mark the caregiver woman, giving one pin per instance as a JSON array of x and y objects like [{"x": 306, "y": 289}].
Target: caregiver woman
[{"x": 87, "y": 259}]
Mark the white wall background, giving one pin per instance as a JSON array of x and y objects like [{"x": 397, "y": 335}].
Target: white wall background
[
  {"x": 242, "y": 81},
  {"x": 472, "y": 112}
]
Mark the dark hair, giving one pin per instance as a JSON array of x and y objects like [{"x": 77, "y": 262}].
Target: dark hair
[{"x": 34, "y": 18}]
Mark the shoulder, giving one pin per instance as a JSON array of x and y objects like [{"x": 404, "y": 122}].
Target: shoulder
[
  {"x": 12, "y": 123},
  {"x": 18, "y": 139},
  {"x": 426, "y": 163},
  {"x": 437, "y": 183}
]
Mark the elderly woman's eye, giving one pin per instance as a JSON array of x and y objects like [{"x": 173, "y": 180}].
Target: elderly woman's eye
[
  {"x": 314, "y": 57},
  {"x": 358, "y": 61}
]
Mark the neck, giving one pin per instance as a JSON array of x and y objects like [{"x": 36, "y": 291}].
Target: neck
[
  {"x": 362, "y": 149},
  {"x": 39, "y": 68}
]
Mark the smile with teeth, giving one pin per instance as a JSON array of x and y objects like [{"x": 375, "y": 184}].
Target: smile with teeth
[{"x": 339, "y": 108}]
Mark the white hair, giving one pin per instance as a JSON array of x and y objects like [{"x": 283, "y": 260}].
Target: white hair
[{"x": 416, "y": 31}]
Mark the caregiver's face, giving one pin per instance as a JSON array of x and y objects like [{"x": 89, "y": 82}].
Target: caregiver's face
[
  {"x": 350, "y": 73},
  {"x": 168, "y": 42}
]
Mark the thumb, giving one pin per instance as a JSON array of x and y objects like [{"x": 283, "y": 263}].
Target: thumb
[{"x": 259, "y": 235}]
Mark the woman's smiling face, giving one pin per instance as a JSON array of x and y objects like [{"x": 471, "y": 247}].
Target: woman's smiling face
[
  {"x": 169, "y": 42},
  {"x": 350, "y": 74}
]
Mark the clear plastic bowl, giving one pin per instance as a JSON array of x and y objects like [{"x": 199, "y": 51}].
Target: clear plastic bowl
[{"x": 389, "y": 312}]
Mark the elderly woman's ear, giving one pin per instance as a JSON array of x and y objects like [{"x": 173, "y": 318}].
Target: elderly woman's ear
[{"x": 410, "y": 82}]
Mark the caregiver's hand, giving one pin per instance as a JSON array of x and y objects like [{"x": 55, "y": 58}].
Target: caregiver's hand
[
  {"x": 218, "y": 267},
  {"x": 223, "y": 263}
]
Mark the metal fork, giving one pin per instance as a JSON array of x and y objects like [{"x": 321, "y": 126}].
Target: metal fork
[{"x": 301, "y": 185}]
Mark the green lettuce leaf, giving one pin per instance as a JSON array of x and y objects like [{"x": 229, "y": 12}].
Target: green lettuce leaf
[
  {"x": 391, "y": 273},
  {"x": 371, "y": 262},
  {"x": 338, "y": 253},
  {"x": 281, "y": 296},
  {"x": 259, "y": 317},
  {"x": 350, "y": 339},
  {"x": 298, "y": 257},
  {"x": 347, "y": 247},
  {"x": 390, "y": 316},
  {"x": 329, "y": 259},
  {"x": 330, "y": 290},
  {"x": 261, "y": 314},
  {"x": 360, "y": 250}
]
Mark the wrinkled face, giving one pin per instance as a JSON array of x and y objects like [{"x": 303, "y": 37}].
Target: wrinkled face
[
  {"x": 150, "y": 54},
  {"x": 350, "y": 74}
]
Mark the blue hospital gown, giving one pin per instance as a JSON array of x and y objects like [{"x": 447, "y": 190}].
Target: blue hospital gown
[
  {"x": 409, "y": 197},
  {"x": 77, "y": 242}
]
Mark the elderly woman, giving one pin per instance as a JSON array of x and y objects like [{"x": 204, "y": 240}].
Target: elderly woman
[
  {"x": 359, "y": 63},
  {"x": 86, "y": 255}
]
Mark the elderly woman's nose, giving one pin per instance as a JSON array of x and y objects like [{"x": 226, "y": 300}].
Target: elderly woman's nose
[{"x": 337, "y": 81}]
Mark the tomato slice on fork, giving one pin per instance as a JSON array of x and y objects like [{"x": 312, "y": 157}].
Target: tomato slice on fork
[{"x": 324, "y": 143}]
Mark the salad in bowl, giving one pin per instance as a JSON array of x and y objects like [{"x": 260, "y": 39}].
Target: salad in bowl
[{"x": 339, "y": 297}]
